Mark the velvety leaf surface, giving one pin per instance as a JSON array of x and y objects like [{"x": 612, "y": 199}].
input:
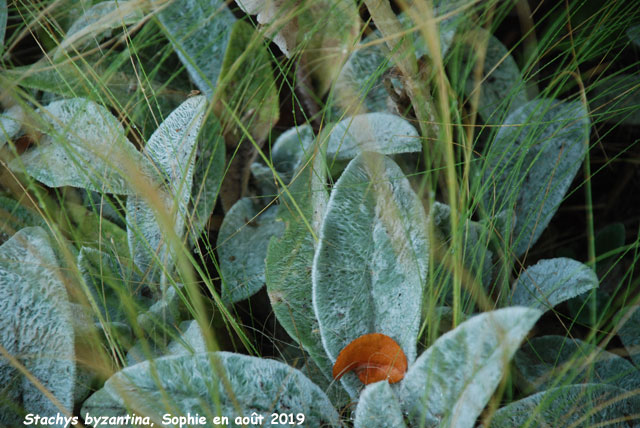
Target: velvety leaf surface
[
  {"x": 290, "y": 261},
  {"x": 552, "y": 281},
  {"x": 35, "y": 327},
  {"x": 616, "y": 99},
  {"x": 453, "y": 380},
  {"x": 242, "y": 248},
  {"x": 630, "y": 333},
  {"x": 84, "y": 146},
  {"x": 199, "y": 31},
  {"x": 532, "y": 161},
  {"x": 172, "y": 149},
  {"x": 10, "y": 122},
  {"x": 543, "y": 362},
  {"x": 501, "y": 87},
  {"x": 98, "y": 22},
  {"x": 192, "y": 383},
  {"x": 379, "y": 407},
  {"x": 372, "y": 132},
  {"x": 585, "y": 406},
  {"x": 371, "y": 263},
  {"x": 164, "y": 312}
]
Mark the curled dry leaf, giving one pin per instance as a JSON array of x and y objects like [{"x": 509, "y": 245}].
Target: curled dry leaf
[{"x": 373, "y": 357}]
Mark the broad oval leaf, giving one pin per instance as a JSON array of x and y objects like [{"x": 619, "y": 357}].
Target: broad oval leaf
[
  {"x": 531, "y": 163},
  {"x": 172, "y": 150},
  {"x": 191, "y": 341},
  {"x": 84, "y": 146},
  {"x": 98, "y": 22},
  {"x": 552, "y": 281},
  {"x": 100, "y": 403},
  {"x": 199, "y": 31},
  {"x": 372, "y": 132},
  {"x": 587, "y": 405},
  {"x": 454, "y": 379},
  {"x": 373, "y": 357},
  {"x": 11, "y": 123},
  {"x": 550, "y": 361},
  {"x": 220, "y": 383},
  {"x": 371, "y": 262},
  {"x": 379, "y": 407},
  {"x": 242, "y": 247},
  {"x": 35, "y": 327}
]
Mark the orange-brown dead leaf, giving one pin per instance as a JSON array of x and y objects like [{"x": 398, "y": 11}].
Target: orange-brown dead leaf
[{"x": 373, "y": 357}]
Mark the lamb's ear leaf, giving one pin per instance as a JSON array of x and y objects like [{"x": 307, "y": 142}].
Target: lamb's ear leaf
[
  {"x": 97, "y": 23},
  {"x": 550, "y": 361},
  {"x": 207, "y": 176},
  {"x": 531, "y": 162},
  {"x": 570, "y": 405},
  {"x": 371, "y": 263},
  {"x": 199, "y": 31},
  {"x": 222, "y": 382},
  {"x": 10, "y": 122},
  {"x": 501, "y": 87},
  {"x": 172, "y": 149},
  {"x": 453, "y": 380},
  {"x": 378, "y": 406},
  {"x": 551, "y": 282},
  {"x": 35, "y": 327},
  {"x": 242, "y": 247},
  {"x": 290, "y": 260},
  {"x": 372, "y": 132},
  {"x": 630, "y": 332},
  {"x": 615, "y": 99},
  {"x": 84, "y": 146}
]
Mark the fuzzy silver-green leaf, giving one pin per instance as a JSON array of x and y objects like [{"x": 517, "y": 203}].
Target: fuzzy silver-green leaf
[
  {"x": 551, "y": 282},
  {"x": 532, "y": 161},
  {"x": 208, "y": 383},
  {"x": 371, "y": 263},
  {"x": 379, "y": 407},
  {"x": 35, "y": 328},
  {"x": 453, "y": 380}
]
